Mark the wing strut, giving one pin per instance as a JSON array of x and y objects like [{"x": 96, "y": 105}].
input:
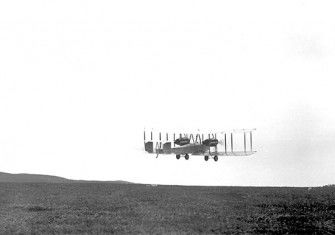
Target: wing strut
[
  {"x": 251, "y": 141},
  {"x": 160, "y": 140},
  {"x": 245, "y": 144},
  {"x": 225, "y": 143},
  {"x": 174, "y": 139},
  {"x": 231, "y": 142}
]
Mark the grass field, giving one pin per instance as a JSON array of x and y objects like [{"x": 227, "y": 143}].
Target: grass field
[{"x": 130, "y": 208}]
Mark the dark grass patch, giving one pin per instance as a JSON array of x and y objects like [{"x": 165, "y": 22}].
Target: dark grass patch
[{"x": 37, "y": 208}]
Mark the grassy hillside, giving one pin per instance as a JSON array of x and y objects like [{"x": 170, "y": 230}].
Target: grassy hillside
[
  {"x": 30, "y": 178},
  {"x": 33, "y": 178},
  {"x": 129, "y": 208}
]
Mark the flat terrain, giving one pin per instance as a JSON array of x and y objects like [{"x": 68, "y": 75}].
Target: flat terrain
[{"x": 44, "y": 208}]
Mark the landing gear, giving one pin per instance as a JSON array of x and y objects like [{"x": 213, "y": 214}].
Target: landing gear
[
  {"x": 215, "y": 158},
  {"x": 178, "y": 156},
  {"x": 187, "y": 156}
]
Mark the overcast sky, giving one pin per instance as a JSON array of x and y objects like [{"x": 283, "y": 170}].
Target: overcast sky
[{"x": 79, "y": 80}]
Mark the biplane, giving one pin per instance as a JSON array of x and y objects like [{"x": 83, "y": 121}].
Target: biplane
[{"x": 209, "y": 145}]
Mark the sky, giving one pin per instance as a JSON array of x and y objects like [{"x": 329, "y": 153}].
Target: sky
[{"x": 80, "y": 80}]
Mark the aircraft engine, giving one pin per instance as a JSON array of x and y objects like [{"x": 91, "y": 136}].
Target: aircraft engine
[
  {"x": 182, "y": 141},
  {"x": 210, "y": 142}
]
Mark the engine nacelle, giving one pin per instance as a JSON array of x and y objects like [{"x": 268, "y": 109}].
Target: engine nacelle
[
  {"x": 182, "y": 141},
  {"x": 210, "y": 142}
]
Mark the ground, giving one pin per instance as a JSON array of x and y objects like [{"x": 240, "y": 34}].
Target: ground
[{"x": 104, "y": 208}]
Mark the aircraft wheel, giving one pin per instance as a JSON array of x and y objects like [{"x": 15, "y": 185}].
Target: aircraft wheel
[
  {"x": 206, "y": 158},
  {"x": 187, "y": 156},
  {"x": 177, "y": 156},
  {"x": 216, "y": 158}
]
